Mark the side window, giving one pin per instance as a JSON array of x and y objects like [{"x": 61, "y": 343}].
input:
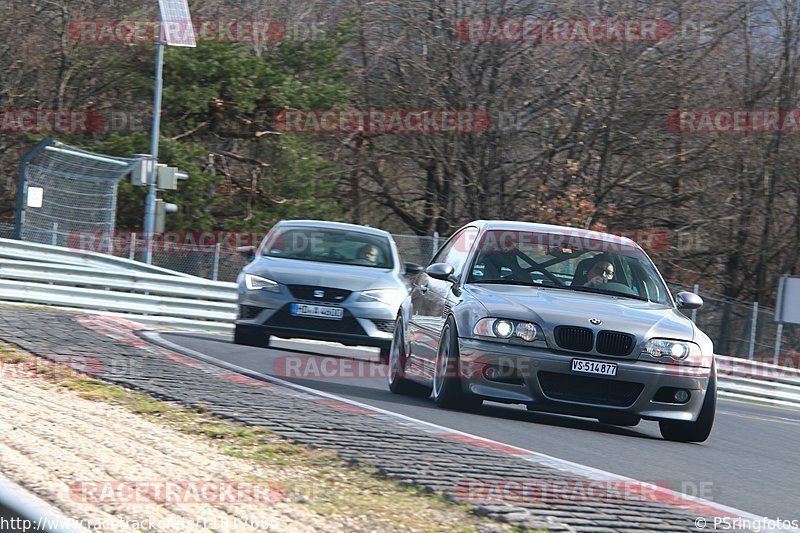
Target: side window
[
  {"x": 459, "y": 251},
  {"x": 443, "y": 251}
]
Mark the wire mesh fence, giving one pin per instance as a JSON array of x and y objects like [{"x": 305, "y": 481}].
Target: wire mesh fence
[
  {"x": 67, "y": 190},
  {"x": 745, "y": 329}
]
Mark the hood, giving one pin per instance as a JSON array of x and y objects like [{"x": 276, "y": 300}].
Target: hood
[
  {"x": 555, "y": 307},
  {"x": 347, "y": 277}
]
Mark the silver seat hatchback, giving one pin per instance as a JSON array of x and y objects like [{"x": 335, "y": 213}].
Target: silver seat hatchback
[{"x": 325, "y": 281}]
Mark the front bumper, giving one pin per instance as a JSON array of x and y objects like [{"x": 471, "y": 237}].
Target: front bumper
[
  {"x": 544, "y": 381},
  {"x": 363, "y": 324}
]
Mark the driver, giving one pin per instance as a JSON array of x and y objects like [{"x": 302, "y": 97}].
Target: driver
[
  {"x": 601, "y": 272},
  {"x": 367, "y": 255}
]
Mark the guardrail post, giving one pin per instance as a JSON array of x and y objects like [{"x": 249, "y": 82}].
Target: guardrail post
[
  {"x": 696, "y": 290},
  {"x": 435, "y": 243},
  {"x": 753, "y": 327},
  {"x": 132, "y": 250},
  {"x": 215, "y": 265},
  {"x": 778, "y": 335},
  {"x": 54, "y": 234}
]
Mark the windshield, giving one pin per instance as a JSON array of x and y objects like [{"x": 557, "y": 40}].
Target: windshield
[
  {"x": 330, "y": 246},
  {"x": 600, "y": 264}
]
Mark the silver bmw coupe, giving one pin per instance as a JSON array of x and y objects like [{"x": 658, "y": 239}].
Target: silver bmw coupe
[{"x": 559, "y": 319}]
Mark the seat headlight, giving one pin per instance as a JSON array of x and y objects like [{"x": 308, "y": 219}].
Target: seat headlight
[
  {"x": 501, "y": 328},
  {"x": 386, "y": 296},
  {"x": 254, "y": 283},
  {"x": 675, "y": 352}
]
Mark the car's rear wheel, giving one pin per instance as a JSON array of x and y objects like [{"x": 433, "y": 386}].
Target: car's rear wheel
[
  {"x": 700, "y": 429},
  {"x": 398, "y": 383},
  {"x": 250, "y": 335},
  {"x": 620, "y": 420},
  {"x": 448, "y": 390}
]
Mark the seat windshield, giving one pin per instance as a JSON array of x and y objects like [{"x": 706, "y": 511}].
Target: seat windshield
[
  {"x": 330, "y": 246},
  {"x": 585, "y": 262}
]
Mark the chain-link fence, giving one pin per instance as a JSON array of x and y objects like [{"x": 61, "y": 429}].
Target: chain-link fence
[
  {"x": 744, "y": 329},
  {"x": 65, "y": 190}
]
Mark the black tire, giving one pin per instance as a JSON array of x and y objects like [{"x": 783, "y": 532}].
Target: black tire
[
  {"x": 620, "y": 420},
  {"x": 250, "y": 335},
  {"x": 398, "y": 383},
  {"x": 699, "y": 430},
  {"x": 448, "y": 390},
  {"x": 386, "y": 351}
]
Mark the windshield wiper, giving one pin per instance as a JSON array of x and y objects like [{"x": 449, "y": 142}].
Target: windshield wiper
[{"x": 610, "y": 293}]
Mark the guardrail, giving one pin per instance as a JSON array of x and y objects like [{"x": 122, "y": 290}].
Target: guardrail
[
  {"x": 33, "y": 273},
  {"x": 763, "y": 382},
  {"x": 33, "y": 251},
  {"x": 21, "y": 512}
]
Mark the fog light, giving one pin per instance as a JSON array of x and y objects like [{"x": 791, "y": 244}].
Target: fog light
[
  {"x": 681, "y": 396},
  {"x": 502, "y": 374}
]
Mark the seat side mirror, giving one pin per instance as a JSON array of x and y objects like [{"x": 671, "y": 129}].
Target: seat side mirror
[
  {"x": 688, "y": 300},
  {"x": 412, "y": 269},
  {"x": 248, "y": 251}
]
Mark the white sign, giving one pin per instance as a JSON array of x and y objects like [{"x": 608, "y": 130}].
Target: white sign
[
  {"x": 176, "y": 24},
  {"x": 35, "y": 196},
  {"x": 788, "y": 308}
]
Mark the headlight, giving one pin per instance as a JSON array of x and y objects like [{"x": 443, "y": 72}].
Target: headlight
[
  {"x": 500, "y": 328},
  {"x": 254, "y": 283},
  {"x": 676, "y": 352},
  {"x": 386, "y": 296}
]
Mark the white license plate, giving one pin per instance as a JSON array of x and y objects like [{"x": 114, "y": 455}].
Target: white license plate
[
  {"x": 317, "y": 311},
  {"x": 594, "y": 367}
]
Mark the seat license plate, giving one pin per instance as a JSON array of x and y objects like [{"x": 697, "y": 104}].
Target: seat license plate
[
  {"x": 594, "y": 367},
  {"x": 317, "y": 311}
]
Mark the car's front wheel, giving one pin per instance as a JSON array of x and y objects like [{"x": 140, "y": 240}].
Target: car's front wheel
[
  {"x": 448, "y": 389},
  {"x": 398, "y": 383},
  {"x": 700, "y": 429}
]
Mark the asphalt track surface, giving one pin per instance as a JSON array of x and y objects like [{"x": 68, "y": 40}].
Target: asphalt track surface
[{"x": 750, "y": 462}]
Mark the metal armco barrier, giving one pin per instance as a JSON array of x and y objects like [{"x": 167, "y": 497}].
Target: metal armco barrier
[
  {"x": 32, "y": 251},
  {"x": 49, "y": 275},
  {"x": 21, "y": 512},
  {"x": 763, "y": 382}
]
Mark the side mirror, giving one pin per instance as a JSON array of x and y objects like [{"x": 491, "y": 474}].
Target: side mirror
[
  {"x": 442, "y": 271},
  {"x": 412, "y": 269},
  {"x": 249, "y": 251},
  {"x": 688, "y": 300}
]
